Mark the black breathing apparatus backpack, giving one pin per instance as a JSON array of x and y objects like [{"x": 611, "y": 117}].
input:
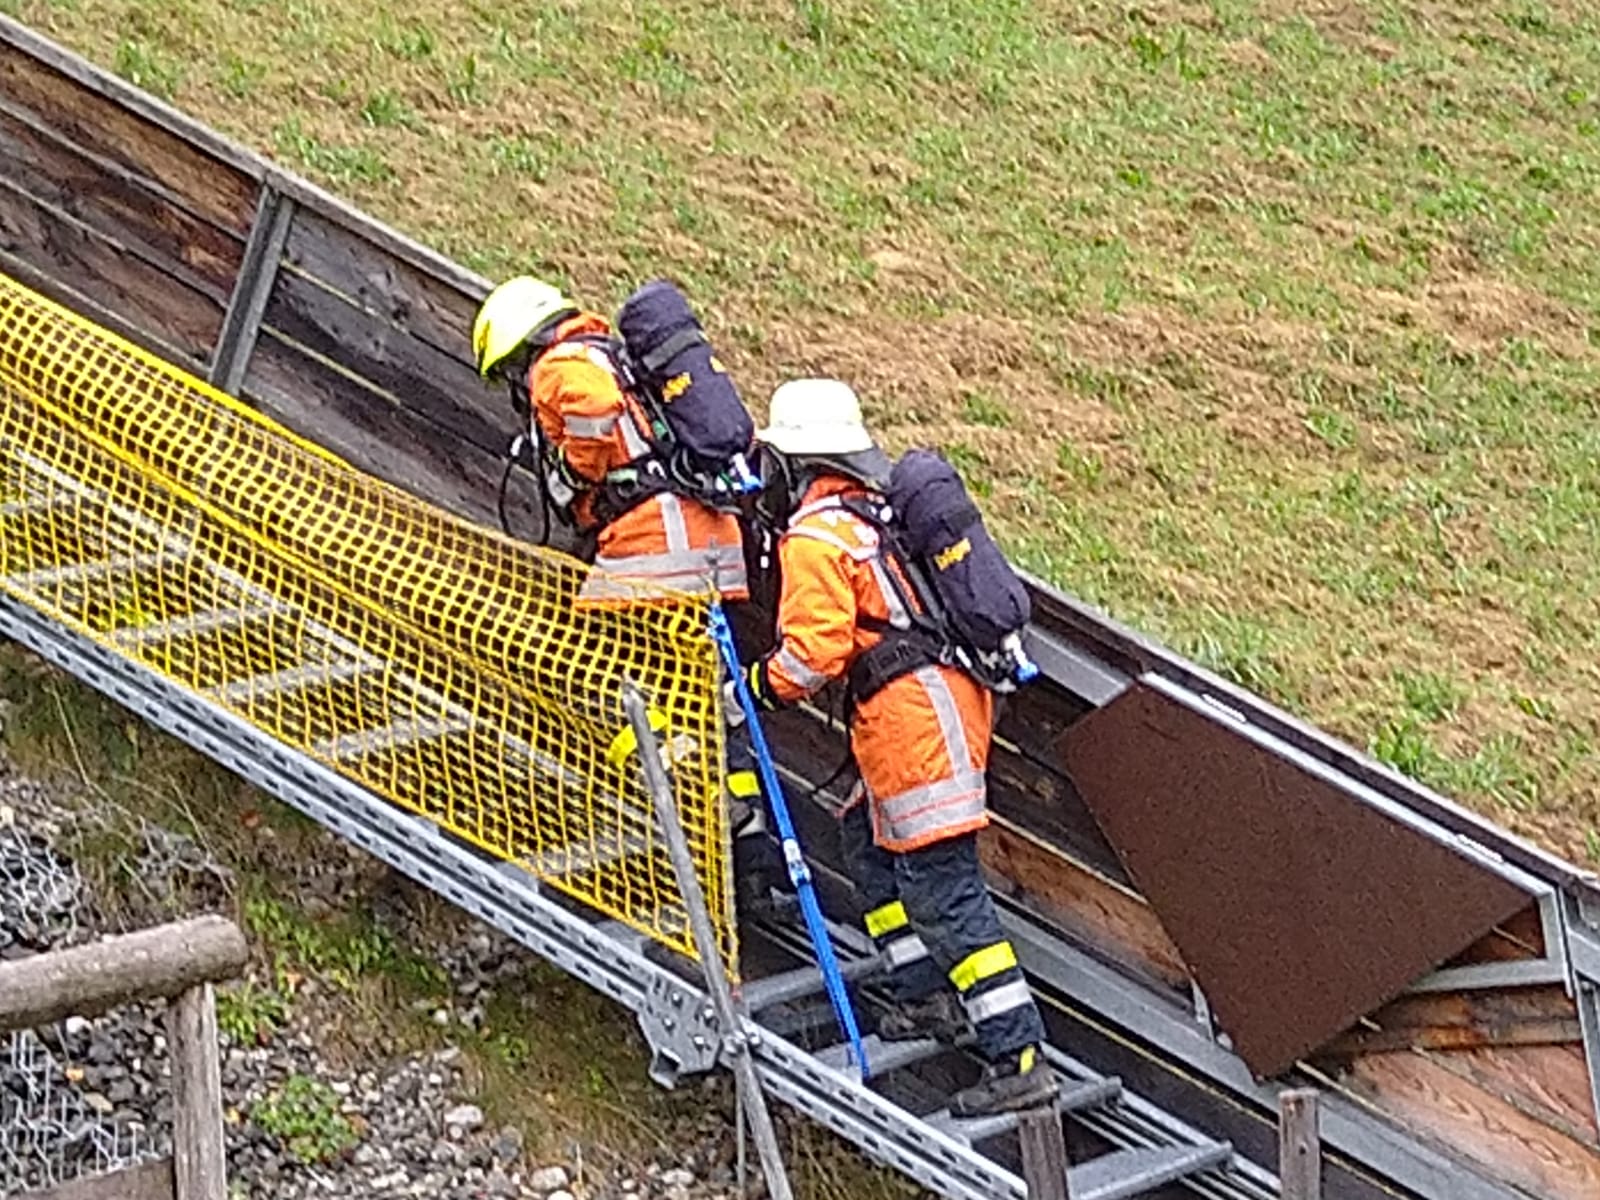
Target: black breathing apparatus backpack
[
  {"x": 966, "y": 605},
  {"x": 699, "y": 433}
]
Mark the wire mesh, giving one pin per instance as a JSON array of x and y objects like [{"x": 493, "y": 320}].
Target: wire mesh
[{"x": 435, "y": 662}]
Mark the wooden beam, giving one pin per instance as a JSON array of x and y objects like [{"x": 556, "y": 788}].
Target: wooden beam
[
  {"x": 1299, "y": 1146},
  {"x": 1044, "y": 1155},
  {"x": 199, "y": 1164},
  {"x": 88, "y": 980},
  {"x": 147, "y": 1181},
  {"x": 241, "y": 324}
]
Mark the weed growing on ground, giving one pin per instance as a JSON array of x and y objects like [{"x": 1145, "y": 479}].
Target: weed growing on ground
[{"x": 304, "y": 1115}]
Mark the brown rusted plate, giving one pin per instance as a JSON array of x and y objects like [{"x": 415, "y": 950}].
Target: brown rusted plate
[{"x": 1298, "y": 907}]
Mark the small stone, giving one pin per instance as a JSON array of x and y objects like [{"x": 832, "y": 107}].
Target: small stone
[
  {"x": 99, "y": 1103},
  {"x": 76, "y": 1026},
  {"x": 441, "y": 1016},
  {"x": 677, "y": 1177},
  {"x": 548, "y": 1179},
  {"x": 465, "y": 1117},
  {"x": 561, "y": 1195},
  {"x": 508, "y": 1145}
]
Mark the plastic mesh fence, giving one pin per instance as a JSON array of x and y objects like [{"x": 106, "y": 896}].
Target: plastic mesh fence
[{"x": 432, "y": 661}]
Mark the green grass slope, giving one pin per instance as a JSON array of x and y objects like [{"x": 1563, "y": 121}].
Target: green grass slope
[{"x": 1273, "y": 328}]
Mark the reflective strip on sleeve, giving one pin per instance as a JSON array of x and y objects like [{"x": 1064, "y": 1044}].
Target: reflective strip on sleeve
[
  {"x": 744, "y": 784},
  {"x": 673, "y": 525},
  {"x": 904, "y": 951},
  {"x": 589, "y": 427},
  {"x": 886, "y": 919},
  {"x": 983, "y": 964},
  {"x": 787, "y": 661},
  {"x": 985, "y": 1006},
  {"x": 949, "y": 717}
]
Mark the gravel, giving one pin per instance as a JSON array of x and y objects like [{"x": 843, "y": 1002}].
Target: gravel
[{"x": 392, "y": 1125}]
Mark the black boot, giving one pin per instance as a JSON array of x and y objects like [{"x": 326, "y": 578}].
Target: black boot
[
  {"x": 762, "y": 888},
  {"x": 938, "y": 1016},
  {"x": 1020, "y": 1081}
]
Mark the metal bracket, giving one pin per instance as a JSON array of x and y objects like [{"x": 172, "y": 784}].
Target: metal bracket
[{"x": 681, "y": 1029}]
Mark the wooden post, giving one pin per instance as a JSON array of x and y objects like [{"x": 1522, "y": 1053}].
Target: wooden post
[
  {"x": 89, "y": 980},
  {"x": 1299, "y": 1146},
  {"x": 1044, "y": 1154},
  {"x": 199, "y": 1166}
]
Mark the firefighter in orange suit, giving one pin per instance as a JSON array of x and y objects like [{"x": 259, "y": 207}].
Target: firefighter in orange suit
[
  {"x": 597, "y": 435},
  {"x": 557, "y": 362},
  {"x": 921, "y": 745}
]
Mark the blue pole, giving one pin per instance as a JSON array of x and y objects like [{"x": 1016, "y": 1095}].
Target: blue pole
[{"x": 799, "y": 872}]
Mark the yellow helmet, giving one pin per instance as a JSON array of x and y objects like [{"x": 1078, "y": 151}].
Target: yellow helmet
[{"x": 511, "y": 314}]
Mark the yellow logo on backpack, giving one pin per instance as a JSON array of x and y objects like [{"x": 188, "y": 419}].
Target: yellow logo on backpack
[
  {"x": 675, "y": 387},
  {"x": 951, "y": 555}
]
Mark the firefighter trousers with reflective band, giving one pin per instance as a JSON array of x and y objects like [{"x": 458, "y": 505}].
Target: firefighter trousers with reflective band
[{"x": 934, "y": 922}]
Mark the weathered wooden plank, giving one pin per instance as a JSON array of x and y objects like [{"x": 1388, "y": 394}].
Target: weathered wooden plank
[
  {"x": 444, "y": 390},
  {"x": 371, "y": 431},
  {"x": 84, "y": 107},
  {"x": 1041, "y": 799},
  {"x": 89, "y": 980},
  {"x": 199, "y": 1164},
  {"x": 147, "y": 1181},
  {"x": 1095, "y": 911},
  {"x": 76, "y": 257},
  {"x": 1551, "y": 1083},
  {"x": 1431, "y": 1100},
  {"x": 425, "y": 303},
  {"x": 1531, "y": 1016},
  {"x": 1299, "y": 1146},
  {"x": 1044, "y": 1154},
  {"x": 109, "y": 199}
]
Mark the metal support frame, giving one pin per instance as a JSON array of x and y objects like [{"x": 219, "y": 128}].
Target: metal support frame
[
  {"x": 258, "y": 271},
  {"x": 752, "y": 1101},
  {"x": 487, "y": 890}
]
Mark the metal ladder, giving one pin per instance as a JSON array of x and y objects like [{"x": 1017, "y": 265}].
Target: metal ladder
[{"x": 1151, "y": 1147}]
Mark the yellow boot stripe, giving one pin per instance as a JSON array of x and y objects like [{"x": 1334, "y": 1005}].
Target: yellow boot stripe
[
  {"x": 886, "y": 919},
  {"x": 626, "y": 743},
  {"x": 743, "y": 784},
  {"x": 982, "y": 964}
]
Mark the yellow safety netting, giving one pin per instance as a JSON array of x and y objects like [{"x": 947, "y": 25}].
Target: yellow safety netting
[{"x": 432, "y": 661}]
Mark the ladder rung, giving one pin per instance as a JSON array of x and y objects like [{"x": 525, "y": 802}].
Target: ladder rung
[
  {"x": 289, "y": 679},
  {"x": 574, "y": 858},
  {"x": 882, "y": 1057},
  {"x": 23, "y": 508},
  {"x": 1074, "y": 1098},
  {"x": 71, "y": 572},
  {"x": 1127, "y": 1173},
  {"x": 402, "y": 733},
  {"x": 208, "y": 621},
  {"x": 802, "y": 982}
]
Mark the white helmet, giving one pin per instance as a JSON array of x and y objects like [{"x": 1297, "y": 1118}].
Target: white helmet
[{"x": 816, "y": 417}]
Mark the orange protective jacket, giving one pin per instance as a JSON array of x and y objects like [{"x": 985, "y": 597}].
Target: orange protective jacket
[
  {"x": 596, "y": 427},
  {"x": 921, "y": 742}
]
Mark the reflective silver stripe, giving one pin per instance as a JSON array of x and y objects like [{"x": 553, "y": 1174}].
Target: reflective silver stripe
[
  {"x": 904, "y": 951},
  {"x": 859, "y": 553},
  {"x": 672, "y": 522},
  {"x": 685, "y": 571},
  {"x": 800, "y": 514},
  {"x": 789, "y": 663},
  {"x": 920, "y": 811},
  {"x": 589, "y": 427},
  {"x": 633, "y": 440},
  {"x": 984, "y": 1006},
  {"x": 898, "y": 617},
  {"x": 949, "y": 715}
]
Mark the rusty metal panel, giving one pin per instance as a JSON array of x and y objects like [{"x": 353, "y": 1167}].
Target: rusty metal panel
[{"x": 1298, "y": 907}]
